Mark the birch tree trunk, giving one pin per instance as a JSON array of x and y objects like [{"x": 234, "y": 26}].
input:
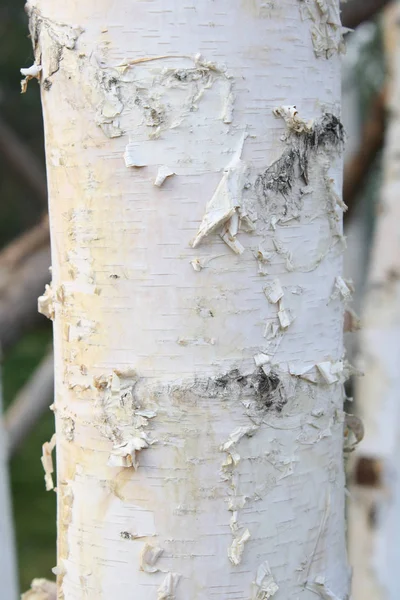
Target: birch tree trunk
[
  {"x": 374, "y": 510},
  {"x": 196, "y": 296}
]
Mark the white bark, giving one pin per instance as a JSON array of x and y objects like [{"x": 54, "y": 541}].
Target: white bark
[
  {"x": 184, "y": 470},
  {"x": 375, "y": 505}
]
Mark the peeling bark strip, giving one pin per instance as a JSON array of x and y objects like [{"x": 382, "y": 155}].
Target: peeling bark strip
[
  {"x": 199, "y": 402},
  {"x": 306, "y": 141},
  {"x": 32, "y": 72},
  {"x": 326, "y": 28},
  {"x": 47, "y": 462}
]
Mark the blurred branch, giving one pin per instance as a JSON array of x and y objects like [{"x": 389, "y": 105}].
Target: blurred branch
[
  {"x": 29, "y": 405},
  {"x": 372, "y": 138},
  {"x": 17, "y": 251},
  {"x": 23, "y": 161},
  {"x": 355, "y": 12},
  {"x": 24, "y": 271}
]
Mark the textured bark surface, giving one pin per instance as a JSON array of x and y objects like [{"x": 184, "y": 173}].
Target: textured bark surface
[{"x": 197, "y": 298}]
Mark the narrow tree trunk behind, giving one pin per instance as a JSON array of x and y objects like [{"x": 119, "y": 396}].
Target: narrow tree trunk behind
[
  {"x": 198, "y": 304},
  {"x": 8, "y": 563},
  {"x": 374, "y": 515}
]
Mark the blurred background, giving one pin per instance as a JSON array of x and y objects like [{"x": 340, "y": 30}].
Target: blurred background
[{"x": 25, "y": 335}]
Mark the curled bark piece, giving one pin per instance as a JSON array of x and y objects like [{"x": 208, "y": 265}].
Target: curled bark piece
[
  {"x": 47, "y": 462},
  {"x": 41, "y": 589}
]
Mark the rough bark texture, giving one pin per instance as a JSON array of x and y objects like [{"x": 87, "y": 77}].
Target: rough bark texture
[
  {"x": 196, "y": 296},
  {"x": 375, "y": 507}
]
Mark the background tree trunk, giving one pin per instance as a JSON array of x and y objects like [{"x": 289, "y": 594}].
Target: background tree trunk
[
  {"x": 197, "y": 296},
  {"x": 8, "y": 566},
  {"x": 374, "y": 508}
]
